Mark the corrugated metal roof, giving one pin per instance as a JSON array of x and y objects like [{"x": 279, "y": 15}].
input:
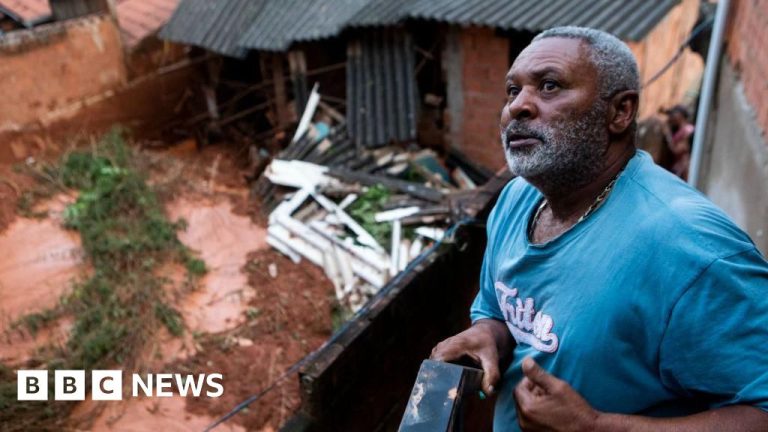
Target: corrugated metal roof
[
  {"x": 627, "y": 19},
  {"x": 27, "y": 12},
  {"x": 214, "y": 25},
  {"x": 231, "y": 26},
  {"x": 140, "y": 18},
  {"x": 381, "y": 13},
  {"x": 283, "y": 22}
]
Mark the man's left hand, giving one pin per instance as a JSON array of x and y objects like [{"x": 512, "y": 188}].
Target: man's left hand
[{"x": 546, "y": 403}]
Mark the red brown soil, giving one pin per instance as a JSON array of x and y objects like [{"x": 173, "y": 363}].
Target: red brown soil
[
  {"x": 12, "y": 185},
  {"x": 290, "y": 317},
  {"x": 215, "y": 169}
]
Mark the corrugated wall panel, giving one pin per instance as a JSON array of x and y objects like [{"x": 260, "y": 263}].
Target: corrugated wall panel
[{"x": 381, "y": 88}]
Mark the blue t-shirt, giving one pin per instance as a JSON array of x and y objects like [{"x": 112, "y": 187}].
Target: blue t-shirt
[{"x": 656, "y": 304}]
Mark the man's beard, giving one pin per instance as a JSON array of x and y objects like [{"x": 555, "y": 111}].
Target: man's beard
[{"x": 571, "y": 153}]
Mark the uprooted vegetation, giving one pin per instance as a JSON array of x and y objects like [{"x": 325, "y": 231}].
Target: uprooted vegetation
[{"x": 126, "y": 237}]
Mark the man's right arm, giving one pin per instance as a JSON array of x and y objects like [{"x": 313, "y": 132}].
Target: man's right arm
[{"x": 487, "y": 343}]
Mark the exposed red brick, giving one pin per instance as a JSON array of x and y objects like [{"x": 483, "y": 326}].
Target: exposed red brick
[{"x": 485, "y": 63}]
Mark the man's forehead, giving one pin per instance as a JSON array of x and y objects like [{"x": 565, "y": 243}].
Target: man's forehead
[{"x": 555, "y": 53}]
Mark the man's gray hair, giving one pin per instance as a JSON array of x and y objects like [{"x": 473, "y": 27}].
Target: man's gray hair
[{"x": 616, "y": 65}]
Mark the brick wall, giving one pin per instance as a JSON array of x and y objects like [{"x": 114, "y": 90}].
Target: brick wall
[
  {"x": 681, "y": 82},
  {"x": 484, "y": 64},
  {"x": 747, "y": 49}
]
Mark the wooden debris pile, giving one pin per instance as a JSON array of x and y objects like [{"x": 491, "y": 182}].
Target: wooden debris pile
[{"x": 360, "y": 214}]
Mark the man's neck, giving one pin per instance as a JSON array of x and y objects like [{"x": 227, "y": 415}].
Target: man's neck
[{"x": 568, "y": 204}]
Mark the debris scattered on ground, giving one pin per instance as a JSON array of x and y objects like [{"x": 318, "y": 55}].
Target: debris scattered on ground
[{"x": 361, "y": 214}]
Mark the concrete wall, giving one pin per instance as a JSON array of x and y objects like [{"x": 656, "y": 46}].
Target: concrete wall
[
  {"x": 735, "y": 165},
  {"x": 72, "y": 78},
  {"x": 681, "y": 82},
  {"x": 735, "y": 171},
  {"x": 146, "y": 106},
  {"x": 476, "y": 61},
  {"x": 52, "y": 66}
]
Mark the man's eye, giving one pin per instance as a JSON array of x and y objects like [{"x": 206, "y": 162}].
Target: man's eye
[
  {"x": 549, "y": 86},
  {"x": 513, "y": 91}
]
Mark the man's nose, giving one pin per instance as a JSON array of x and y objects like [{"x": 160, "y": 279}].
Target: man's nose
[{"x": 523, "y": 106}]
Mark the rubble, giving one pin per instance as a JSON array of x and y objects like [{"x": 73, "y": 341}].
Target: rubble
[{"x": 320, "y": 193}]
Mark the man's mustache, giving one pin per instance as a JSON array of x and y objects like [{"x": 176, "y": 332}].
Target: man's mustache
[{"x": 521, "y": 130}]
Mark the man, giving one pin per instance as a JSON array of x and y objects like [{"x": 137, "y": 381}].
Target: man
[
  {"x": 678, "y": 136},
  {"x": 621, "y": 299}
]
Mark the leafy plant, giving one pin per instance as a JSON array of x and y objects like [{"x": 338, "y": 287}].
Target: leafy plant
[{"x": 126, "y": 237}]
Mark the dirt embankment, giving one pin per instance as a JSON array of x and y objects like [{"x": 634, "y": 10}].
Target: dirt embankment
[
  {"x": 254, "y": 314},
  {"x": 12, "y": 186},
  {"x": 289, "y": 317}
]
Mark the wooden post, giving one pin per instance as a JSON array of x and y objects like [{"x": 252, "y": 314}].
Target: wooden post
[
  {"x": 281, "y": 99},
  {"x": 298, "y": 65}
]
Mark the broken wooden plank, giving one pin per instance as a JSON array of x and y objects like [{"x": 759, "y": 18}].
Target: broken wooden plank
[
  {"x": 395, "y": 214},
  {"x": 463, "y": 179},
  {"x": 419, "y": 219},
  {"x": 395, "y": 252},
  {"x": 414, "y": 189},
  {"x": 433, "y": 233},
  {"x": 416, "y": 247},
  {"x": 366, "y": 255},
  {"x": 297, "y": 174},
  {"x": 345, "y": 268},
  {"x": 290, "y": 205},
  {"x": 315, "y": 243},
  {"x": 404, "y": 255},
  {"x": 279, "y": 238},
  {"x": 331, "y": 266},
  {"x": 309, "y": 111},
  {"x": 332, "y": 112},
  {"x": 362, "y": 235},
  {"x": 347, "y": 201}
]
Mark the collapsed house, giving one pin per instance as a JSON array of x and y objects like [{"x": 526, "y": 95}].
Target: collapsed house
[
  {"x": 400, "y": 71},
  {"x": 362, "y": 213}
]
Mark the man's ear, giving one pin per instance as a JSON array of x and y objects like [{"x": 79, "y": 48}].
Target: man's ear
[{"x": 622, "y": 111}]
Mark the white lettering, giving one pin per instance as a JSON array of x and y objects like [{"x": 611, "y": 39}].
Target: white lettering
[
  {"x": 188, "y": 382},
  {"x": 217, "y": 385},
  {"x": 69, "y": 385},
  {"x": 32, "y": 385},
  {"x": 145, "y": 386},
  {"x": 164, "y": 381},
  {"x": 106, "y": 385},
  {"x": 525, "y": 323}
]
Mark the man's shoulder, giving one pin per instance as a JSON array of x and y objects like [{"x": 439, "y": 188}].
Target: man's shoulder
[{"x": 677, "y": 212}]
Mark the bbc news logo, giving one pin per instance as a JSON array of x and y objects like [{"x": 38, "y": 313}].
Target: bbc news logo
[{"x": 107, "y": 385}]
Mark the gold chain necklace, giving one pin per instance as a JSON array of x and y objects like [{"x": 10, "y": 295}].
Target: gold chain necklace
[{"x": 595, "y": 204}]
